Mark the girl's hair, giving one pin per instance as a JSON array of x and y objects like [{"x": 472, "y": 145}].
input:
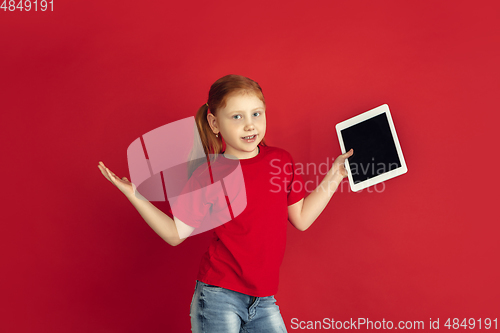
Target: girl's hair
[{"x": 217, "y": 98}]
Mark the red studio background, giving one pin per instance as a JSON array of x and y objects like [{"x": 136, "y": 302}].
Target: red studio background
[{"x": 78, "y": 84}]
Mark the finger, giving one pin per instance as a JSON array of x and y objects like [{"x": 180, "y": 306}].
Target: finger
[
  {"x": 103, "y": 171},
  {"x": 111, "y": 178},
  {"x": 349, "y": 153},
  {"x": 112, "y": 173},
  {"x": 343, "y": 172}
]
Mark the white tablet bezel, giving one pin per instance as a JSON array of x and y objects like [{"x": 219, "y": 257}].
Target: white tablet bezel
[{"x": 385, "y": 176}]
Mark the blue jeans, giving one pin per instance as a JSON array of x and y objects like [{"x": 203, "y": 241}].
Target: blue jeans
[{"x": 219, "y": 310}]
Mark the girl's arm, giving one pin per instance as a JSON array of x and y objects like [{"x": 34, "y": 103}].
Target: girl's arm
[
  {"x": 303, "y": 213},
  {"x": 168, "y": 229}
]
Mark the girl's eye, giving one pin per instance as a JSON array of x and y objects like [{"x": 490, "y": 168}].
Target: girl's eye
[
  {"x": 237, "y": 116},
  {"x": 256, "y": 114}
]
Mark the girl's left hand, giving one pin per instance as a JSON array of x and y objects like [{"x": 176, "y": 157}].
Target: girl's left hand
[{"x": 338, "y": 167}]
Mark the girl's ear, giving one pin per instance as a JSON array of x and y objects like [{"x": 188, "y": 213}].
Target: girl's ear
[{"x": 212, "y": 122}]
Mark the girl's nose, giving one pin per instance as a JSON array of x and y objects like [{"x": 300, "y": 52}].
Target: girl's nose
[{"x": 249, "y": 125}]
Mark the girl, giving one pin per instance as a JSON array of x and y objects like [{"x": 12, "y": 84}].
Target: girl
[{"x": 238, "y": 274}]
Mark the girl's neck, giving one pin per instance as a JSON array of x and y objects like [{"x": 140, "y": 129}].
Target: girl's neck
[{"x": 242, "y": 156}]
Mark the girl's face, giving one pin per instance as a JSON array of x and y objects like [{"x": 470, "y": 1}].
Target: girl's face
[{"x": 242, "y": 124}]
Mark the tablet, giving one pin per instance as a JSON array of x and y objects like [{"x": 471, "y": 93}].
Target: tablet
[{"x": 377, "y": 153}]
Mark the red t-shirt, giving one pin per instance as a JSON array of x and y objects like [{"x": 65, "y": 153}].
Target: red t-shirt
[{"x": 246, "y": 253}]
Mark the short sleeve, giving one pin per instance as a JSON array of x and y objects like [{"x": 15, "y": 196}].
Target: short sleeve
[
  {"x": 191, "y": 205},
  {"x": 202, "y": 202},
  {"x": 296, "y": 186}
]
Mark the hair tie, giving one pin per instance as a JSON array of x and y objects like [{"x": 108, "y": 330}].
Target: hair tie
[{"x": 206, "y": 104}]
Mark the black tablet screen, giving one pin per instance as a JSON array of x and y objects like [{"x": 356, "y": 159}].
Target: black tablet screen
[{"x": 374, "y": 149}]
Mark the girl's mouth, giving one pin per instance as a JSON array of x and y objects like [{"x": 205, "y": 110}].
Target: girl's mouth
[{"x": 250, "y": 138}]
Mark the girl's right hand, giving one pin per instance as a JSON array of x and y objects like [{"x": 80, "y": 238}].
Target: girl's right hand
[{"x": 123, "y": 184}]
